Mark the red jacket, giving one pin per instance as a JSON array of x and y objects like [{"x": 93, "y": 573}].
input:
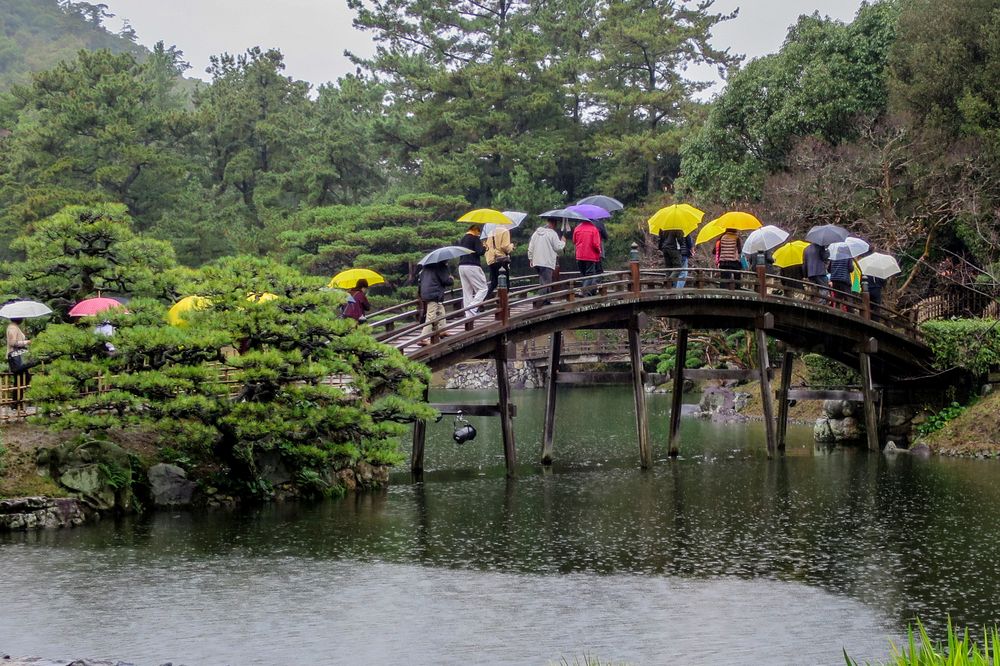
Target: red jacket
[{"x": 587, "y": 240}]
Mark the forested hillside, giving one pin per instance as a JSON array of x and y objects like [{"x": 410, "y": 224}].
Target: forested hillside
[
  {"x": 888, "y": 124},
  {"x": 37, "y": 34}
]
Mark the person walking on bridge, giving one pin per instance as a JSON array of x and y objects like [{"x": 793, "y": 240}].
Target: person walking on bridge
[
  {"x": 587, "y": 240},
  {"x": 543, "y": 254},
  {"x": 434, "y": 282},
  {"x": 814, "y": 266},
  {"x": 470, "y": 271},
  {"x": 840, "y": 280},
  {"x": 671, "y": 243},
  {"x": 727, "y": 258},
  {"x": 498, "y": 248}
]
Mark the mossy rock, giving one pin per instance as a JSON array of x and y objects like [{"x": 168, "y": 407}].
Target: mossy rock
[{"x": 96, "y": 470}]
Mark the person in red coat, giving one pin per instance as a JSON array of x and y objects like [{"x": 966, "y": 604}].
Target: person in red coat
[{"x": 587, "y": 240}]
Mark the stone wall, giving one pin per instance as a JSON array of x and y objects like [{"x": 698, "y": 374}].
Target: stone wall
[
  {"x": 482, "y": 375},
  {"x": 28, "y": 513},
  {"x": 842, "y": 422}
]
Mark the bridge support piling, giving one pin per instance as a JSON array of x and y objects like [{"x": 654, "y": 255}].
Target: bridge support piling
[
  {"x": 639, "y": 392},
  {"x": 871, "y": 415},
  {"x": 506, "y": 423},
  {"x": 680, "y": 359},
  {"x": 767, "y": 398},
  {"x": 786, "y": 382},
  {"x": 549, "y": 429},
  {"x": 419, "y": 439}
]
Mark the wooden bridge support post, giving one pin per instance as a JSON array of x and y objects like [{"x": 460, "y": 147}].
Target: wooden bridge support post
[
  {"x": 639, "y": 392},
  {"x": 786, "y": 381},
  {"x": 767, "y": 398},
  {"x": 506, "y": 423},
  {"x": 419, "y": 439},
  {"x": 868, "y": 391},
  {"x": 680, "y": 360},
  {"x": 549, "y": 429}
]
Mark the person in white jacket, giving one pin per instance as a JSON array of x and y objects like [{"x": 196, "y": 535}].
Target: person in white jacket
[{"x": 543, "y": 254}]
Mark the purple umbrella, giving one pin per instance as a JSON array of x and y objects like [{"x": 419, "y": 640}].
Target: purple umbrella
[{"x": 590, "y": 211}]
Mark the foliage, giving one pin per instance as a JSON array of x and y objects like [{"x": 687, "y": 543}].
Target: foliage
[
  {"x": 961, "y": 649},
  {"x": 825, "y": 76},
  {"x": 275, "y": 397},
  {"x": 823, "y": 371},
  {"x": 973, "y": 344},
  {"x": 665, "y": 361},
  {"x": 937, "y": 421},
  {"x": 82, "y": 250}
]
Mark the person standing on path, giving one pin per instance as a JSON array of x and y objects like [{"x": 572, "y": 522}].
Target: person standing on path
[
  {"x": 727, "y": 258},
  {"x": 840, "y": 280},
  {"x": 670, "y": 244},
  {"x": 687, "y": 251},
  {"x": 17, "y": 349},
  {"x": 543, "y": 254},
  {"x": 587, "y": 240},
  {"x": 498, "y": 248},
  {"x": 434, "y": 282},
  {"x": 470, "y": 271},
  {"x": 814, "y": 266}
]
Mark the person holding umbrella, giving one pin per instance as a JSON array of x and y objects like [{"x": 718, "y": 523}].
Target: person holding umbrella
[
  {"x": 498, "y": 249},
  {"x": 17, "y": 350},
  {"x": 587, "y": 240},
  {"x": 358, "y": 303},
  {"x": 814, "y": 267},
  {"x": 671, "y": 243},
  {"x": 470, "y": 271},
  {"x": 434, "y": 282},
  {"x": 727, "y": 258},
  {"x": 543, "y": 254}
]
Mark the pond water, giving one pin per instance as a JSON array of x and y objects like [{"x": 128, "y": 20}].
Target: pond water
[{"x": 720, "y": 556}]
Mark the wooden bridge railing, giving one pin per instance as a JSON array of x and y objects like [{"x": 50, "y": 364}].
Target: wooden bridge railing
[{"x": 406, "y": 328}]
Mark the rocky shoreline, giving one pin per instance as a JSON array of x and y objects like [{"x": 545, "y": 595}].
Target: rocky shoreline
[{"x": 7, "y": 660}]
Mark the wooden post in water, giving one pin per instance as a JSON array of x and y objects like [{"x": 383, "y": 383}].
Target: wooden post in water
[
  {"x": 786, "y": 381},
  {"x": 419, "y": 438},
  {"x": 767, "y": 398},
  {"x": 549, "y": 428},
  {"x": 680, "y": 360},
  {"x": 871, "y": 415},
  {"x": 639, "y": 392},
  {"x": 506, "y": 424}
]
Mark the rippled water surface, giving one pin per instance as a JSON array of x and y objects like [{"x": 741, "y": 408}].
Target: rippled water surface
[{"x": 719, "y": 557}]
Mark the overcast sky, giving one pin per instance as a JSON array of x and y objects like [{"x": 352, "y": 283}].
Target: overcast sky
[{"x": 313, "y": 34}]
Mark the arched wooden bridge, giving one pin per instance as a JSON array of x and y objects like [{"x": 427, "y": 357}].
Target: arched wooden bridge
[{"x": 883, "y": 344}]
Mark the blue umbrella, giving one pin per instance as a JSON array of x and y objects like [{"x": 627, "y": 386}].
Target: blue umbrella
[
  {"x": 609, "y": 204},
  {"x": 443, "y": 254},
  {"x": 590, "y": 211}
]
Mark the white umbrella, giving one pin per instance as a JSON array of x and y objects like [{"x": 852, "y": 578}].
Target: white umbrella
[
  {"x": 24, "y": 310},
  {"x": 879, "y": 265},
  {"x": 764, "y": 239},
  {"x": 444, "y": 254},
  {"x": 516, "y": 219},
  {"x": 857, "y": 245},
  {"x": 838, "y": 251}
]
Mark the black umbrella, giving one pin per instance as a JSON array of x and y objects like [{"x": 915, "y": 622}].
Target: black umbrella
[
  {"x": 827, "y": 234},
  {"x": 609, "y": 204}
]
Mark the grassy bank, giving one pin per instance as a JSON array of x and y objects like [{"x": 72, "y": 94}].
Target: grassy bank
[{"x": 976, "y": 432}]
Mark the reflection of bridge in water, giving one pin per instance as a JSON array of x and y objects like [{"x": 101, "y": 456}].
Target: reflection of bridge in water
[{"x": 884, "y": 345}]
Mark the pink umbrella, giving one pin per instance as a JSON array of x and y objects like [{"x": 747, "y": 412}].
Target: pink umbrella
[
  {"x": 93, "y": 306},
  {"x": 590, "y": 211}
]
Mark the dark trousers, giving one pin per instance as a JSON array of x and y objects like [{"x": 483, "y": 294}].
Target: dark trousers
[
  {"x": 731, "y": 274},
  {"x": 840, "y": 298},
  {"x": 544, "y": 279},
  {"x": 822, "y": 293},
  {"x": 494, "y": 269},
  {"x": 672, "y": 262},
  {"x": 589, "y": 271}
]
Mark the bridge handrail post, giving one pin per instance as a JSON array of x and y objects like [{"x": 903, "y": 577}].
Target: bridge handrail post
[
  {"x": 866, "y": 299},
  {"x": 633, "y": 264},
  {"x": 761, "y": 271},
  {"x": 503, "y": 296}
]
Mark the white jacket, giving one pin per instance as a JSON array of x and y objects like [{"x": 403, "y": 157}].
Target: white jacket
[{"x": 544, "y": 247}]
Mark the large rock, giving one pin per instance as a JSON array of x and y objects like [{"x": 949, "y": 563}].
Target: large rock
[
  {"x": 97, "y": 470},
  {"x": 91, "y": 483},
  {"x": 836, "y": 431},
  {"x": 722, "y": 403},
  {"x": 170, "y": 486}
]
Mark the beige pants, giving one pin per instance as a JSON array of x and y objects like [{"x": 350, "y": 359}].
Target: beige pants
[{"x": 434, "y": 310}]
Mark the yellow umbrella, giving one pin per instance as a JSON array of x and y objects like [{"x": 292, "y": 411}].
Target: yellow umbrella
[
  {"x": 680, "y": 217},
  {"x": 263, "y": 297},
  {"x": 732, "y": 220},
  {"x": 349, "y": 279},
  {"x": 485, "y": 216},
  {"x": 790, "y": 254},
  {"x": 175, "y": 315}
]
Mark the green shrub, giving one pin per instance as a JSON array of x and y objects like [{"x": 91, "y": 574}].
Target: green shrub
[
  {"x": 937, "y": 421},
  {"x": 973, "y": 344},
  {"x": 823, "y": 371}
]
